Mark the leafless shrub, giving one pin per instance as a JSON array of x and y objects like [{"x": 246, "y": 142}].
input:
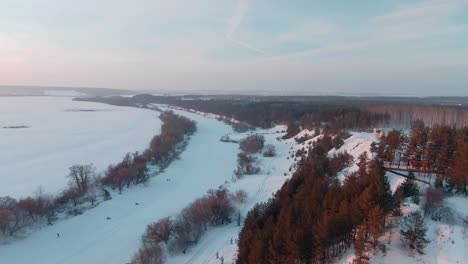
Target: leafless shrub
[
  {"x": 246, "y": 165},
  {"x": 239, "y": 197},
  {"x": 270, "y": 151},
  {"x": 148, "y": 255},
  {"x": 252, "y": 144}
]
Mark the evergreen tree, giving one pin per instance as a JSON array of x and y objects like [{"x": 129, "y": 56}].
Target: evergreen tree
[
  {"x": 361, "y": 247},
  {"x": 375, "y": 225},
  {"x": 459, "y": 173},
  {"x": 408, "y": 188},
  {"x": 413, "y": 232}
]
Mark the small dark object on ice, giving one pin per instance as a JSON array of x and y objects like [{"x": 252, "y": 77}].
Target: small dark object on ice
[
  {"x": 137, "y": 204},
  {"x": 108, "y": 218},
  {"x": 58, "y": 235}
]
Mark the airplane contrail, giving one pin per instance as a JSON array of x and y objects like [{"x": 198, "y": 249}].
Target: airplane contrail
[{"x": 234, "y": 22}]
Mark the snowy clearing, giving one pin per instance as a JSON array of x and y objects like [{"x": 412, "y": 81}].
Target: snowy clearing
[{"x": 43, "y": 136}]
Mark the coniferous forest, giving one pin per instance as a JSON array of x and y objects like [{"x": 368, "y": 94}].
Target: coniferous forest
[{"x": 314, "y": 218}]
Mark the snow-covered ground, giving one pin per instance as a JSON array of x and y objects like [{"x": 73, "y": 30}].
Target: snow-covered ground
[
  {"x": 206, "y": 163},
  {"x": 41, "y": 137},
  {"x": 90, "y": 238},
  {"x": 259, "y": 187}
]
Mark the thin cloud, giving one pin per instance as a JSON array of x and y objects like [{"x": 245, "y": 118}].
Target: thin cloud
[
  {"x": 307, "y": 31},
  {"x": 433, "y": 9},
  {"x": 405, "y": 23}
]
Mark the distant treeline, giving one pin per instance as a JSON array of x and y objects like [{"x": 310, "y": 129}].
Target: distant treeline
[
  {"x": 402, "y": 115},
  {"x": 266, "y": 114},
  {"x": 332, "y": 112}
]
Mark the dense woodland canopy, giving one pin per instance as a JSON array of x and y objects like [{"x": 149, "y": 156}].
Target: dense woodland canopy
[
  {"x": 265, "y": 114},
  {"x": 336, "y": 112},
  {"x": 402, "y": 115}
]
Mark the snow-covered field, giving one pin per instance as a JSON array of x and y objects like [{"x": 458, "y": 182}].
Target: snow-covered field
[
  {"x": 90, "y": 238},
  {"x": 40, "y": 137}
]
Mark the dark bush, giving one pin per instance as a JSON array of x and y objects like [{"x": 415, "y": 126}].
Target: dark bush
[{"x": 252, "y": 144}]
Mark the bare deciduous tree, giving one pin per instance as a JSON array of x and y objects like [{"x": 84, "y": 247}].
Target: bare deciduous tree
[
  {"x": 252, "y": 144},
  {"x": 160, "y": 231},
  {"x": 239, "y": 197},
  {"x": 148, "y": 255},
  {"x": 5, "y": 218},
  {"x": 80, "y": 176}
]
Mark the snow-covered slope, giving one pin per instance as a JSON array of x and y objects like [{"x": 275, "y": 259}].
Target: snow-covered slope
[
  {"x": 40, "y": 137},
  {"x": 355, "y": 145}
]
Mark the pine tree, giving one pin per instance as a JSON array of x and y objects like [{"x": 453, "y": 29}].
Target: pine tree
[
  {"x": 361, "y": 246},
  {"x": 408, "y": 188},
  {"x": 459, "y": 175},
  {"x": 413, "y": 232},
  {"x": 375, "y": 225}
]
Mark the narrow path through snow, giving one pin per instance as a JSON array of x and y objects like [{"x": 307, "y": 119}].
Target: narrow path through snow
[{"x": 90, "y": 238}]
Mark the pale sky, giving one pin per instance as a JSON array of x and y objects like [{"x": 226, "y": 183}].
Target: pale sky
[{"x": 397, "y": 47}]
